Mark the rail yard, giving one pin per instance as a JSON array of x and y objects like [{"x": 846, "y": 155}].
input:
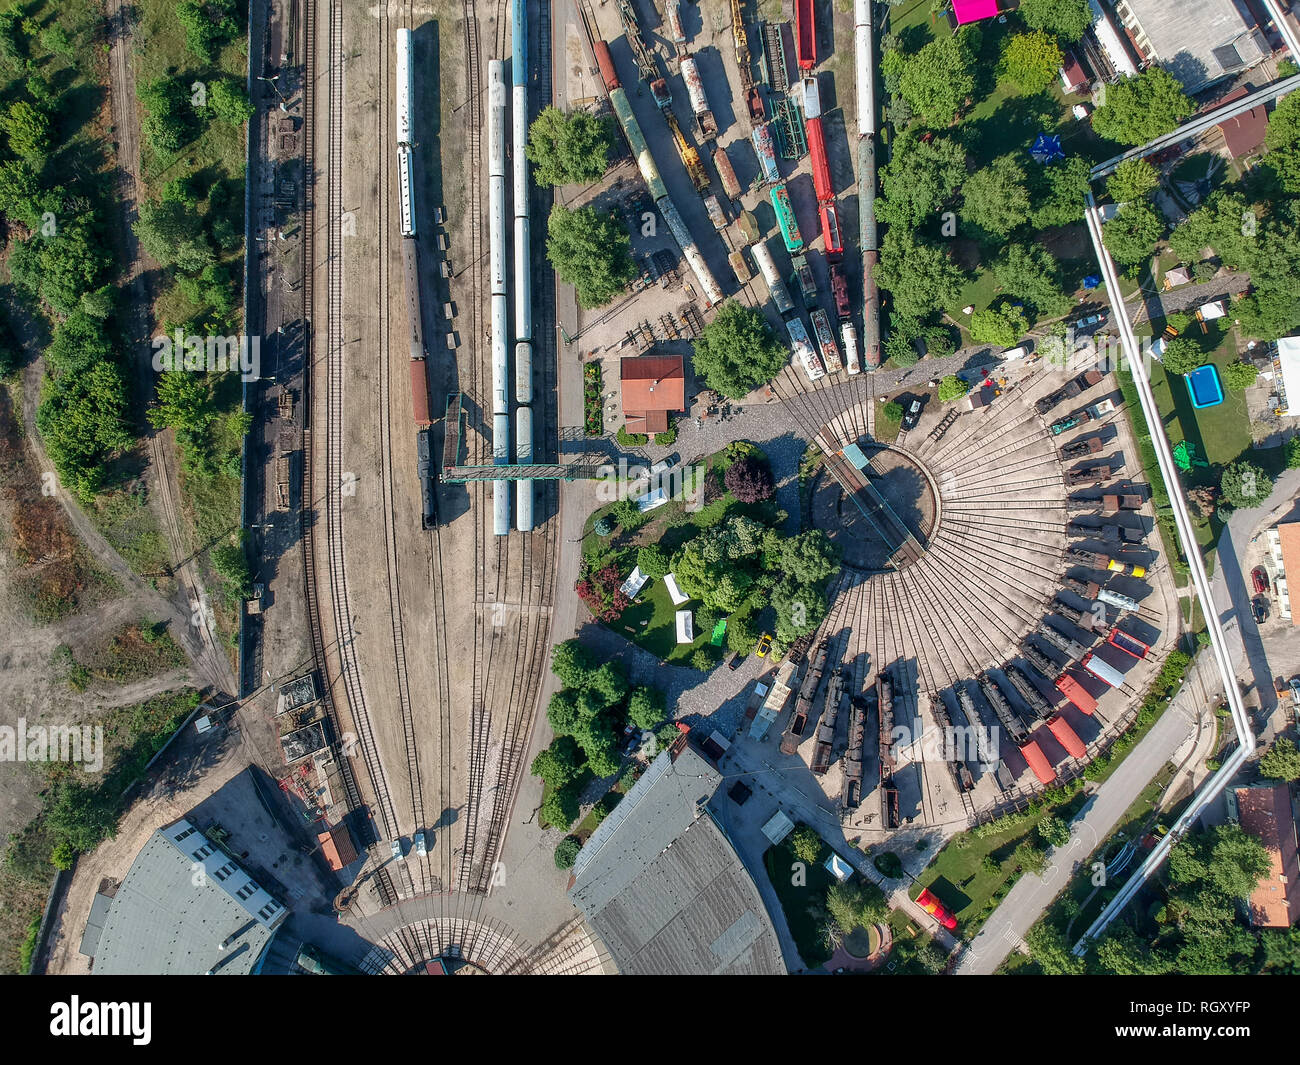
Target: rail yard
[
  {"x": 958, "y": 611},
  {"x": 1001, "y": 601}
]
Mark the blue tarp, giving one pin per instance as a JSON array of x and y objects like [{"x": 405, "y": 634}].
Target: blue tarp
[{"x": 1047, "y": 149}]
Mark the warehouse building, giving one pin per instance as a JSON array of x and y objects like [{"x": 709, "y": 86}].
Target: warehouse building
[
  {"x": 184, "y": 908},
  {"x": 662, "y": 886},
  {"x": 1198, "y": 43}
]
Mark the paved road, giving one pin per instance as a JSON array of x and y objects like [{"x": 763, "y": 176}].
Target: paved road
[{"x": 1005, "y": 930}]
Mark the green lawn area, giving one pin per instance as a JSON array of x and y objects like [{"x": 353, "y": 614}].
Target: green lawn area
[
  {"x": 959, "y": 879},
  {"x": 650, "y": 622},
  {"x": 801, "y": 903}
]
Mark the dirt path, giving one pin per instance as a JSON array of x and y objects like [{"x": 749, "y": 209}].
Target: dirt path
[{"x": 165, "y": 489}]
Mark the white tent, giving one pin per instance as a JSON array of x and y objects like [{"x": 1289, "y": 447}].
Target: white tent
[
  {"x": 778, "y": 827},
  {"x": 634, "y": 583},
  {"x": 1211, "y": 311},
  {"x": 1288, "y": 367},
  {"x": 838, "y": 867},
  {"x": 650, "y": 500},
  {"x": 674, "y": 593},
  {"x": 685, "y": 626}
]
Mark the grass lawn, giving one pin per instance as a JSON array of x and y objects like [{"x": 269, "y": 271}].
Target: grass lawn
[
  {"x": 650, "y": 622},
  {"x": 801, "y": 903},
  {"x": 959, "y": 879}
]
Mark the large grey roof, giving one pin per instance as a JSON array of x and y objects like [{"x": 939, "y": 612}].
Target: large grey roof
[
  {"x": 662, "y": 886},
  {"x": 1199, "y": 42},
  {"x": 165, "y": 920}
]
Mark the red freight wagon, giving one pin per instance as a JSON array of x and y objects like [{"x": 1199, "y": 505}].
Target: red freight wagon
[
  {"x": 1076, "y": 693},
  {"x": 1128, "y": 644},
  {"x": 821, "y": 171},
  {"x": 830, "y": 218},
  {"x": 1066, "y": 736},
  {"x": 1038, "y": 762},
  {"x": 419, "y": 393},
  {"x": 606, "y": 64},
  {"x": 805, "y": 34}
]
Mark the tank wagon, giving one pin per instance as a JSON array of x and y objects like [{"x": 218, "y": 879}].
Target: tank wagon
[
  {"x": 775, "y": 286},
  {"x": 500, "y": 330},
  {"x": 523, "y": 348},
  {"x": 705, "y": 123}
]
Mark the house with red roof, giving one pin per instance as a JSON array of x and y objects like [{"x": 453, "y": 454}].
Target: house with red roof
[{"x": 654, "y": 386}]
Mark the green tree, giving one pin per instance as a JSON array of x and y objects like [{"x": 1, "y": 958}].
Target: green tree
[
  {"x": 851, "y": 905},
  {"x": 1283, "y": 143},
  {"x": 1280, "y": 950},
  {"x": 1048, "y": 946},
  {"x": 172, "y": 233},
  {"x": 1132, "y": 180},
  {"x": 1182, "y": 355},
  {"x": 229, "y": 102},
  {"x": 1002, "y": 326},
  {"x": 28, "y": 129},
  {"x": 1030, "y": 61},
  {"x": 559, "y": 808},
  {"x": 608, "y": 683},
  {"x": 799, "y": 609},
  {"x": 563, "y": 712},
  {"x": 566, "y": 852},
  {"x": 78, "y": 344},
  {"x": 82, "y": 418},
  {"x": 169, "y": 122},
  {"x": 920, "y": 177},
  {"x": 1239, "y": 376},
  {"x": 806, "y": 844},
  {"x": 1033, "y": 274},
  {"x": 1028, "y": 857},
  {"x": 1131, "y": 236},
  {"x": 809, "y": 557},
  {"x": 737, "y": 351},
  {"x": 1293, "y": 453},
  {"x": 1053, "y": 831},
  {"x": 1141, "y": 108},
  {"x": 995, "y": 199},
  {"x": 1060, "y": 192},
  {"x": 646, "y": 708},
  {"x": 572, "y": 663},
  {"x": 893, "y": 410},
  {"x": 937, "y": 80},
  {"x": 1068, "y": 19},
  {"x": 182, "y": 402},
  {"x": 20, "y": 192},
  {"x": 920, "y": 277},
  {"x": 1244, "y": 484},
  {"x": 208, "y": 25},
  {"x": 1281, "y": 761},
  {"x": 652, "y": 560},
  {"x": 591, "y": 252},
  {"x": 951, "y": 387},
  {"x": 569, "y": 147},
  {"x": 230, "y": 562},
  {"x": 78, "y": 816},
  {"x": 560, "y": 763}
]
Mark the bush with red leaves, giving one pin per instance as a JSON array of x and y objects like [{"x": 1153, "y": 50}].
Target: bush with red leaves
[
  {"x": 749, "y": 480},
  {"x": 602, "y": 593}
]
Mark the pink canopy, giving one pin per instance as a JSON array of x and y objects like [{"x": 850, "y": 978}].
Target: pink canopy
[{"x": 973, "y": 10}]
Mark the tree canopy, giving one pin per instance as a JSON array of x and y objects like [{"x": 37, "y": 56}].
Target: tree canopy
[
  {"x": 1182, "y": 355},
  {"x": 1060, "y": 192},
  {"x": 737, "y": 351},
  {"x": 1033, "y": 274},
  {"x": 951, "y": 387},
  {"x": 1002, "y": 325},
  {"x": 1245, "y": 484},
  {"x": 1140, "y": 108},
  {"x": 568, "y": 147},
  {"x": 591, "y": 252},
  {"x": 1068, "y": 19},
  {"x": 1030, "y": 61},
  {"x": 937, "y": 80},
  {"x": 1281, "y": 761},
  {"x": 1131, "y": 236},
  {"x": 921, "y": 177},
  {"x": 920, "y": 277},
  {"x": 995, "y": 199},
  {"x": 1132, "y": 180}
]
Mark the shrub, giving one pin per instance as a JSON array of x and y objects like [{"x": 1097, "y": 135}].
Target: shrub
[
  {"x": 749, "y": 480},
  {"x": 893, "y": 410},
  {"x": 627, "y": 439},
  {"x": 566, "y": 852},
  {"x": 950, "y": 388},
  {"x": 806, "y": 844},
  {"x": 889, "y": 864}
]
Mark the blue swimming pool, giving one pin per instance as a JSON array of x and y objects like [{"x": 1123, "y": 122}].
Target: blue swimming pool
[{"x": 1204, "y": 385}]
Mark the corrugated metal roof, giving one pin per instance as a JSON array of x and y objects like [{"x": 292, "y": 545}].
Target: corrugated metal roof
[{"x": 661, "y": 885}]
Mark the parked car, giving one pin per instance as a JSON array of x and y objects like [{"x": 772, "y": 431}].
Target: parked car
[
  {"x": 1260, "y": 579},
  {"x": 1259, "y": 607},
  {"x": 764, "y": 645},
  {"x": 1088, "y": 321},
  {"x": 735, "y": 661},
  {"x": 1295, "y": 691},
  {"x": 421, "y": 847},
  {"x": 912, "y": 415},
  {"x": 399, "y": 852}
]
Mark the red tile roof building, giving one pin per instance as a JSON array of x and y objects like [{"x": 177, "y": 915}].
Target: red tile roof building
[
  {"x": 1265, "y": 812},
  {"x": 654, "y": 386},
  {"x": 1244, "y": 133}
]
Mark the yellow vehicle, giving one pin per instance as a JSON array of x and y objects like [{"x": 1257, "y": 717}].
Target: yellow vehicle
[{"x": 764, "y": 645}]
